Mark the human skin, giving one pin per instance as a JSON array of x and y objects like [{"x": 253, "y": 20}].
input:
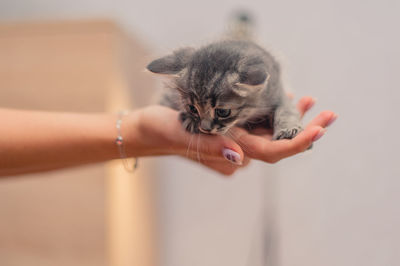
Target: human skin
[
  {"x": 207, "y": 149},
  {"x": 35, "y": 141}
]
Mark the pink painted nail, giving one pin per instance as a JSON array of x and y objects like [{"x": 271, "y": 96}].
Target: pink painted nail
[
  {"x": 232, "y": 156},
  {"x": 319, "y": 135},
  {"x": 333, "y": 119}
]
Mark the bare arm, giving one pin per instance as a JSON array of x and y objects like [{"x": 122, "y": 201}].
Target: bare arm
[{"x": 34, "y": 141}]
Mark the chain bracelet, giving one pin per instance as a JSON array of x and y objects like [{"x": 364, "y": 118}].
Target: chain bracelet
[{"x": 119, "y": 141}]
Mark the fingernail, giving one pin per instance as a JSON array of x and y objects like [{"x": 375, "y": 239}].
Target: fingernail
[
  {"x": 311, "y": 104},
  {"x": 333, "y": 119},
  {"x": 232, "y": 156},
  {"x": 319, "y": 135}
]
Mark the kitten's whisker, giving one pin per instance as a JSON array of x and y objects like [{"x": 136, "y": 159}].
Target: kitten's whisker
[
  {"x": 197, "y": 148},
  {"x": 202, "y": 158},
  {"x": 242, "y": 145},
  {"x": 189, "y": 145}
]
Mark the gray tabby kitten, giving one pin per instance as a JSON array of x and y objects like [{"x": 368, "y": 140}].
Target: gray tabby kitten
[{"x": 226, "y": 84}]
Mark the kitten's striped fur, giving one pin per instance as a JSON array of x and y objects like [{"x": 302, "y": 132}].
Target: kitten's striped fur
[{"x": 233, "y": 75}]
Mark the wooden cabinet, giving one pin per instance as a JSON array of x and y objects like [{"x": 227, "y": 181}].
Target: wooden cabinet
[{"x": 92, "y": 215}]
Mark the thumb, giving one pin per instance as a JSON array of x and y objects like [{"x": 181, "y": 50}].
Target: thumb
[{"x": 220, "y": 147}]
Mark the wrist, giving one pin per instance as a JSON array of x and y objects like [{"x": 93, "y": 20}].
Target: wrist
[
  {"x": 146, "y": 134},
  {"x": 129, "y": 131}
]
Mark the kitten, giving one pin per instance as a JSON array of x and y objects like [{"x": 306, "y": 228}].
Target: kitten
[{"x": 225, "y": 84}]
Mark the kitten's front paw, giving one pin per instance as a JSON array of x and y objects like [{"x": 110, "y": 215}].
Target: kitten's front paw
[
  {"x": 287, "y": 133},
  {"x": 189, "y": 123}
]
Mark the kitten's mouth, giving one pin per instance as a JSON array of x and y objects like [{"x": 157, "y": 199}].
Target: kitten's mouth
[
  {"x": 209, "y": 132},
  {"x": 213, "y": 131}
]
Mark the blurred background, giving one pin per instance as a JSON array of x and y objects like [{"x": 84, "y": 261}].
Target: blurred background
[{"x": 335, "y": 205}]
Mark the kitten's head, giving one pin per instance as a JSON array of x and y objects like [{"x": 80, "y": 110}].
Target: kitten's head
[{"x": 219, "y": 86}]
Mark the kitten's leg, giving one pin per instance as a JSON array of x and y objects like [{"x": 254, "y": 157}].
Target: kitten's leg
[{"x": 287, "y": 122}]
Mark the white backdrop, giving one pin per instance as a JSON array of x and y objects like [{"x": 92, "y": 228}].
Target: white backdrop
[{"x": 337, "y": 205}]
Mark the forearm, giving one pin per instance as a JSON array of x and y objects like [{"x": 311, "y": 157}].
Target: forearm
[{"x": 40, "y": 141}]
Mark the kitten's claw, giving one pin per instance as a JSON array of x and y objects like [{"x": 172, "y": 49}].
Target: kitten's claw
[
  {"x": 287, "y": 133},
  {"x": 189, "y": 123}
]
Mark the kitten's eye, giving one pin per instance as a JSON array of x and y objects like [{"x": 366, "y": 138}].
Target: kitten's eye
[
  {"x": 193, "y": 109},
  {"x": 222, "y": 112}
]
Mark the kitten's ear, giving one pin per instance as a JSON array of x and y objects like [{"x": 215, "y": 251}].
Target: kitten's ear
[
  {"x": 171, "y": 64},
  {"x": 253, "y": 76},
  {"x": 251, "y": 80}
]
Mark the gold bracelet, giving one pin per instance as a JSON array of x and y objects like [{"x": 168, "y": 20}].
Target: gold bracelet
[{"x": 119, "y": 141}]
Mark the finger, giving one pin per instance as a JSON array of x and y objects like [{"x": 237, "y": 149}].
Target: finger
[
  {"x": 202, "y": 158},
  {"x": 225, "y": 167},
  {"x": 246, "y": 161},
  {"x": 323, "y": 119},
  {"x": 305, "y": 104},
  {"x": 214, "y": 147},
  {"x": 273, "y": 151},
  {"x": 248, "y": 142},
  {"x": 221, "y": 146}
]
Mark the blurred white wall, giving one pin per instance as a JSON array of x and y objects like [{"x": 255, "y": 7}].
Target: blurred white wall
[{"x": 336, "y": 205}]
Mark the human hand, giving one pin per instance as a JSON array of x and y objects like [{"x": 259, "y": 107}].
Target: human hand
[
  {"x": 159, "y": 132},
  {"x": 259, "y": 144},
  {"x": 156, "y": 130}
]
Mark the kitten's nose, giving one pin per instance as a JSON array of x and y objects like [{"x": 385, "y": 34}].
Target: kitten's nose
[{"x": 205, "y": 126}]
